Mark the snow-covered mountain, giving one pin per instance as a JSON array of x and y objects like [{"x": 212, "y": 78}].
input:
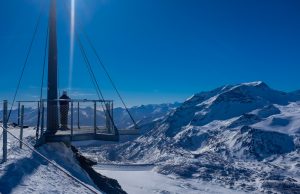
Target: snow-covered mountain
[
  {"x": 244, "y": 136},
  {"x": 143, "y": 114}
]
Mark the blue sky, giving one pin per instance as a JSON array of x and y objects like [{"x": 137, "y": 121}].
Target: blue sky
[{"x": 157, "y": 50}]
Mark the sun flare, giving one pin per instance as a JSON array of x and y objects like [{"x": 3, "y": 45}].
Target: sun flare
[{"x": 72, "y": 31}]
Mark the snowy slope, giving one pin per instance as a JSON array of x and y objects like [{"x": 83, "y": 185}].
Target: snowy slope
[
  {"x": 26, "y": 172},
  {"x": 243, "y": 136}
]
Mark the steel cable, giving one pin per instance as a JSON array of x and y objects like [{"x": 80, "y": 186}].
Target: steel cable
[
  {"x": 26, "y": 61},
  {"x": 106, "y": 72},
  {"x": 92, "y": 76}
]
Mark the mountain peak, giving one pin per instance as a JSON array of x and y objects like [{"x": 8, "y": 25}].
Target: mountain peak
[
  {"x": 224, "y": 103},
  {"x": 260, "y": 84},
  {"x": 255, "y": 83}
]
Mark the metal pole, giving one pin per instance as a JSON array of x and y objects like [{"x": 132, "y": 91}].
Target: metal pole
[
  {"x": 22, "y": 126},
  {"x": 107, "y": 117},
  {"x": 112, "y": 109},
  {"x": 71, "y": 120},
  {"x": 38, "y": 121},
  {"x": 95, "y": 117},
  {"x": 112, "y": 116},
  {"x": 52, "y": 109},
  {"x": 78, "y": 122},
  {"x": 19, "y": 111},
  {"x": 43, "y": 118},
  {"x": 4, "y": 131}
]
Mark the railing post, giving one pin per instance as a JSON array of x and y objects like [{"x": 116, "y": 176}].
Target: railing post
[
  {"x": 108, "y": 117},
  {"x": 38, "y": 121},
  {"x": 4, "y": 131},
  {"x": 112, "y": 109},
  {"x": 112, "y": 116},
  {"x": 78, "y": 122},
  {"x": 19, "y": 112},
  {"x": 43, "y": 117},
  {"x": 72, "y": 119},
  {"x": 22, "y": 126},
  {"x": 95, "y": 117}
]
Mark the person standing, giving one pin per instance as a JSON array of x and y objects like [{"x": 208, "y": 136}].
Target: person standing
[{"x": 64, "y": 110}]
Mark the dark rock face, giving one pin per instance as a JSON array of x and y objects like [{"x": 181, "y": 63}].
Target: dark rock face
[
  {"x": 105, "y": 184},
  {"x": 268, "y": 111},
  {"x": 248, "y": 119},
  {"x": 286, "y": 187},
  {"x": 280, "y": 122},
  {"x": 194, "y": 142},
  {"x": 261, "y": 144}
]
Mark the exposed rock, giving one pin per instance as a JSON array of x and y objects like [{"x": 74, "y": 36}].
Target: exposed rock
[
  {"x": 260, "y": 144},
  {"x": 105, "y": 184}
]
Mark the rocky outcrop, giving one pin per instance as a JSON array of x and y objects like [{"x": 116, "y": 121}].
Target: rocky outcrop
[{"x": 105, "y": 184}]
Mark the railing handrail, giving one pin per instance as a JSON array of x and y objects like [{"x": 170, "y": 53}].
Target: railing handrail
[{"x": 59, "y": 100}]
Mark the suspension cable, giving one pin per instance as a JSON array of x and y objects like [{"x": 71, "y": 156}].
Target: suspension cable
[
  {"x": 92, "y": 75},
  {"x": 94, "y": 80},
  {"x": 90, "y": 69},
  {"x": 87, "y": 62},
  {"x": 42, "y": 84},
  {"x": 51, "y": 162},
  {"x": 44, "y": 65},
  {"x": 25, "y": 62},
  {"x": 109, "y": 77},
  {"x": 107, "y": 74}
]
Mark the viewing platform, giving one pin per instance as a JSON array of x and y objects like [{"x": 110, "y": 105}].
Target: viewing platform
[{"x": 86, "y": 120}]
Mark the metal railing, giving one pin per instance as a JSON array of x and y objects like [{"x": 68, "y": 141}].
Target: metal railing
[
  {"x": 74, "y": 116},
  {"x": 88, "y": 118}
]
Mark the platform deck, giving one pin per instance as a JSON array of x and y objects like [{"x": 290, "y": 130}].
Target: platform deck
[
  {"x": 87, "y": 133},
  {"x": 81, "y": 134}
]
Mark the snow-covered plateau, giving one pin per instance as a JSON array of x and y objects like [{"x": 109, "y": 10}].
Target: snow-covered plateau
[{"x": 242, "y": 138}]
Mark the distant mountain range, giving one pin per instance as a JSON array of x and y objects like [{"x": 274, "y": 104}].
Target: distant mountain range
[
  {"x": 142, "y": 114},
  {"x": 244, "y": 136}
]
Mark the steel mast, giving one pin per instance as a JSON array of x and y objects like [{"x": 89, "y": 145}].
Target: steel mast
[{"x": 52, "y": 96}]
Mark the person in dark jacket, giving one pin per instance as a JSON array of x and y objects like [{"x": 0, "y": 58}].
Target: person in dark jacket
[{"x": 64, "y": 109}]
